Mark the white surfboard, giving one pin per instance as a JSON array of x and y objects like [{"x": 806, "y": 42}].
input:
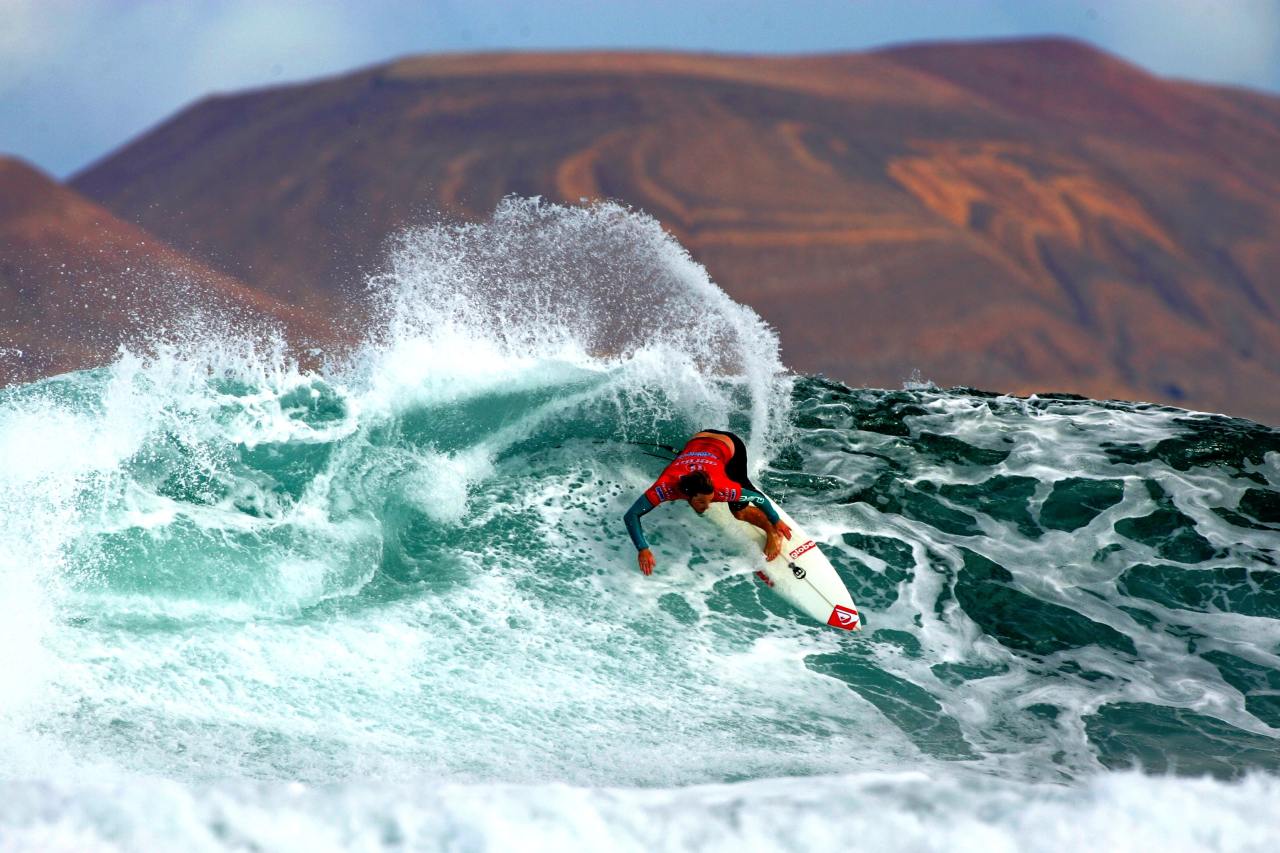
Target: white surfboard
[{"x": 801, "y": 574}]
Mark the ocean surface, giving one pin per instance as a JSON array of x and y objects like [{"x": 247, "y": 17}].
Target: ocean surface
[{"x": 389, "y": 603}]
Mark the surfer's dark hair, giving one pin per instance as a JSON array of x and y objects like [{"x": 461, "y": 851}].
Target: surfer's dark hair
[{"x": 696, "y": 483}]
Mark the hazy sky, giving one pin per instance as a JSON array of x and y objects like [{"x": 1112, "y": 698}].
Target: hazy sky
[{"x": 80, "y": 77}]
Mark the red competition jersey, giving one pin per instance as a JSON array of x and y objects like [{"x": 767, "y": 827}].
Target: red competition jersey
[{"x": 701, "y": 454}]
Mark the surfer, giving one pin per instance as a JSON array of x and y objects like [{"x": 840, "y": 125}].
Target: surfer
[{"x": 711, "y": 468}]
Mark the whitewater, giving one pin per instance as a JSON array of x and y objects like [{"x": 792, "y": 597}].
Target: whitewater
[{"x": 386, "y": 602}]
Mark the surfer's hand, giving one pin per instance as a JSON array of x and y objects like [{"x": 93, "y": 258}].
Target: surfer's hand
[
  {"x": 782, "y": 528},
  {"x": 772, "y": 546},
  {"x": 646, "y": 560}
]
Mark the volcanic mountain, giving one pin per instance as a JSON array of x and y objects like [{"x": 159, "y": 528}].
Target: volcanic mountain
[
  {"x": 76, "y": 282},
  {"x": 1023, "y": 216}
]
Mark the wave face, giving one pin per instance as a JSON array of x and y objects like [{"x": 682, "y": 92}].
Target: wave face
[{"x": 393, "y": 598}]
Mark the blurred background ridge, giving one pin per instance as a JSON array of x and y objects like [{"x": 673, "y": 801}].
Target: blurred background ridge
[{"x": 1016, "y": 215}]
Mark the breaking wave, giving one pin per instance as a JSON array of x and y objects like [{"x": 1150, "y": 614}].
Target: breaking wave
[{"x": 392, "y": 599}]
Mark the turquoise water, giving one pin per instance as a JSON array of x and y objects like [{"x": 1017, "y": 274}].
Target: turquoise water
[{"x": 390, "y": 604}]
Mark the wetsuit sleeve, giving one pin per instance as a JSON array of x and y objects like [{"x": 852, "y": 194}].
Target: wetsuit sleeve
[
  {"x": 632, "y": 519},
  {"x": 770, "y": 511}
]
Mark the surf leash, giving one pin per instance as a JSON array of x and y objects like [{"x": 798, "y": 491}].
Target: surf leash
[{"x": 665, "y": 447}]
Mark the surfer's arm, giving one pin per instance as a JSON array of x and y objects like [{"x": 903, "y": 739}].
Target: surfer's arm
[
  {"x": 632, "y": 520},
  {"x": 775, "y": 530},
  {"x": 765, "y": 505}
]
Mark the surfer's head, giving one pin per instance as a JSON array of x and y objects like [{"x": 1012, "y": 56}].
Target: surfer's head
[{"x": 697, "y": 489}]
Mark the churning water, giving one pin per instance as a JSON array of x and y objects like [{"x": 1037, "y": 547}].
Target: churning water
[{"x": 390, "y": 604}]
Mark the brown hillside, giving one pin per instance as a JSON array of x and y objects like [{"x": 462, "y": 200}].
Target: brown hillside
[
  {"x": 75, "y": 282},
  {"x": 1020, "y": 216}
]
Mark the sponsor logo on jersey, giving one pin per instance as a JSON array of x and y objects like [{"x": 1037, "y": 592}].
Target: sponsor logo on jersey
[
  {"x": 844, "y": 617},
  {"x": 808, "y": 546}
]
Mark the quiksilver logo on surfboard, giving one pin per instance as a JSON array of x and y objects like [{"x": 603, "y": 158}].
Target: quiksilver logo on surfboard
[{"x": 844, "y": 617}]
